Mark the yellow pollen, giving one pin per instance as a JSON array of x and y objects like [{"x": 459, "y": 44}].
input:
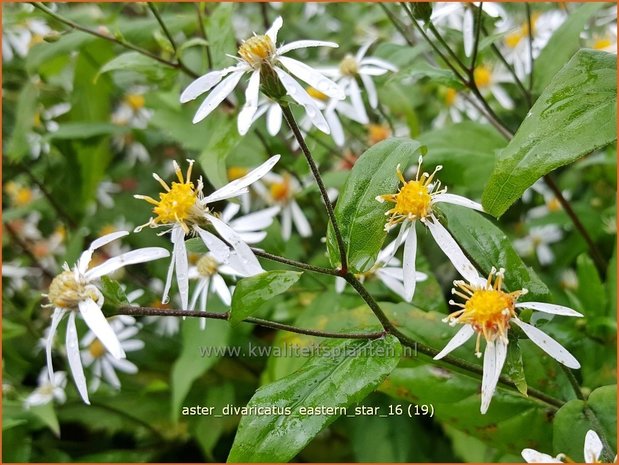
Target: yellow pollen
[
  {"x": 349, "y": 66},
  {"x": 135, "y": 101},
  {"x": 482, "y": 76},
  {"x": 377, "y": 133},
  {"x": 66, "y": 292},
  {"x": 554, "y": 205},
  {"x": 176, "y": 205},
  {"x": 96, "y": 349},
  {"x": 313, "y": 92},
  {"x": 236, "y": 172},
  {"x": 601, "y": 44},
  {"x": 207, "y": 266},
  {"x": 256, "y": 50},
  {"x": 450, "y": 96}
]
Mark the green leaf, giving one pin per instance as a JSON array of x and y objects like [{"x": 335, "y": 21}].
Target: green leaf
[
  {"x": 341, "y": 374},
  {"x": 591, "y": 292},
  {"x": 564, "y": 42},
  {"x": 47, "y": 415},
  {"x": 514, "y": 368},
  {"x": 572, "y": 422},
  {"x": 113, "y": 292},
  {"x": 134, "y": 61},
  {"x": 192, "y": 363},
  {"x": 611, "y": 283},
  {"x": 575, "y": 115},
  {"x": 220, "y": 34},
  {"x": 360, "y": 216},
  {"x": 11, "y": 329},
  {"x": 223, "y": 138},
  {"x": 85, "y": 130},
  {"x": 252, "y": 292},
  {"x": 421, "y": 10},
  {"x": 18, "y": 144},
  {"x": 488, "y": 246}
]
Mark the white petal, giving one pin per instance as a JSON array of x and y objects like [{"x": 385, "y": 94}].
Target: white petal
[
  {"x": 201, "y": 85},
  {"x": 313, "y": 78},
  {"x": 372, "y": 71},
  {"x": 217, "y": 95},
  {"x": 248, "y": 259},
  {"x": 252, "y": 92},
  {"x": 379, "y": 63},
  {"x": 371, "y": 90},
  {"x": 84, "y": 260},
  {"x": 274, "y": 119},
  {"x": 75, "y": 363},
  {"x": 340, "y": 284},
  {"x": 197, "y": 291},
  {"x": 457, "y": 200},
  {"x": 228, "y": 213},
  {"x": 168, "y": 281},
  {"x": 363, "y": 50},
  {"x": 233, "y": 188},
  {"x": 494, "y": 358},
  {"x": 286, "y": 223},
  {"x": 408, "y": 264},
  {"x": 549, "y": 308},
  {"x": 548, "y": 344},
  {"x": 255, "y": 221},
  {"x": 56, "y": 318},
  {"x": 502, "y": 97},
  {"x": 304, "y": 44},
  {"x": 145, "y": 254},
  {"x": 392, "y": 283},
  {"x": 533, "y": 456},
  {"x": 467, "y": 32},
  {"x": 593, "y": 447},
  {"x": 181, "y": 265},
  {"x": 222, "y": 289},
  {"x": 274, "y": 29},
  {"x": 252, "y": 237},
  {"x": 216, "y": 246},
  {"x": 357, "y": 102},
  {"x": 203, "y": 300},
  {"x": 544, "y": 254},
  {"x": 98, "y": 324},
  {"x": 300, "y": 222},
  {"x": 337, "y": 131},
  {"x": 452, "y": 250},
  {"x": 459, "y": 338},
  {"x": 124, "y": 365}
]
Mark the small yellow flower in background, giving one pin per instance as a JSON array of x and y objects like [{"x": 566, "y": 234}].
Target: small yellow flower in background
[
  {"x": 489, "y": 311},
  {"x": 19, "y": 195},
  {"x": 489, "y": 81},
  {"x": 377, "y": 133}
]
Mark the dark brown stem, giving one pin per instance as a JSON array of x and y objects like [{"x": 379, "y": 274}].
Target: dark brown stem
[
  {"x": 202, "y": 30},
  {"x": 300, "y": 265}
]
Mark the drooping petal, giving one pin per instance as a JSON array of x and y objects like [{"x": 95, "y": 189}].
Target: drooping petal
[
  {"x": 217, "y": 95},
  {"x": 370, "y": 89},
  {"x": 216, "y": 246},
  {"x": 109, "y": 374},
  {"x": 84, "y": 260},
  {"x": 379, "y": 63},
  {"x": 248, "y": 259},
  {"x": 201, "y": 85},
  {"x": 56, "y": 318},
  {"x": 463, "y": 335},
  {"x": 181, "y": 264},
  {"x": 313, "y": 78},
  {"x": 357, "y": 102},
  {"x": 533, "y": 456},
  {"x": 300, "y": 222},
  {"x": 168, "y": 280},
  {"x": 145, "y": 254},
  {"x": 234, "y": 188},
  {"x": 544, "y": 254},
  {"x": 255, "y": 221},
  {"x": 549, "y": 308},
  {"x": 98, "y": 324},
  {"x": 286, "y": 222},
  {"x": 494, "y": 358},
  {"x": 197, "y": 291},
  {"x": 363, "y": 50},
  {"x": 228, "y": 213},
  {"x": 593, "y": 447},
  {"x": 467, "y": 32},
  {"x": 222, "y": 289},
  {"x": 457, "y": 200},
  {"x": 274, "y": 29},
  {"x": 246, "y": 115},
  {"x": 548, "y": 344},
  {"x": 408, "y": 264},
  {"x": 75, "y": 362},
  {"x": 452, "y": 250},
  {"x": 391, "y": 282},
  {"x": 297, "y": 44},
  {"x": 337, "y": 131},
  {"x": 123, "y": 365},
  {"x": 502, "y": 97},
  {"x": 274, "y": 119},
  {"x": 340, "y": 284}
]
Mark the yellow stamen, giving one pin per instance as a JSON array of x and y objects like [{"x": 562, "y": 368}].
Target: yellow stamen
[
  {"x": 135, "y": 101},
  {"x": 349, "y": 66},
  {"x": 96, "y": 349},
  {"x": 281, "y": 191},
  {"x": 207, "y": 266},
  {"x": 257, "y": 50},
  {"x": 482, "y": 76},
  {"x": 513, "y": 39}
]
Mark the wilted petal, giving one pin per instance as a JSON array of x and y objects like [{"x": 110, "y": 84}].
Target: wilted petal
[
  {"x": 75, "y": 362},
  {"x": 145, "y": 254},
  {"x": 408, "y": 264},
  {"x": 548, "y": 344},
  {"x": 217, "y": 95},
  {"x": 549, "y": 308},
  {"x": 463, "y": 335},
  {"x": 56, "y": 318},
  {"x": 297, "y": 44},
  {"x": 98, "y": 324},
  {"x": 84, "y": 260}
]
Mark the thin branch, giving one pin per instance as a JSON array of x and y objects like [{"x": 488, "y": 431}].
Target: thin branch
[
  {"x": 530, "y": 31},
  {"x": 397, "y": 24},
  {"x": 265, "y": 15},
  {"x": 113, "y": 39},
  {"x": 289, "y": 117},
  {"x": 202, "y": 30},
  {"x": 155, "y": 311},
  {"x": 300, "y": 265},
  {"x": 595, "y": 252},
  {"x": 477, "y": 34}
]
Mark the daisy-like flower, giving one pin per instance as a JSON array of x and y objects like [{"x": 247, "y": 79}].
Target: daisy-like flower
[
  {"x": 489, "y": 81},
  {"x": 102, "y": 363},
  {"x": 455, "y": 108},
  {"x": 73, "y": 291},
  {"x": 48, "y": 390},
  {"x": 362, "y": 67},
  {"x": 250, "y": 227},
  {"x": 260, "y": 56},
  {"x": 281, "y": 192},
  {"x": 489, "y": 311},
  {"x": 21, "y": 195},
  {"x": 538, "y": 242},
  {"x": 415, "y": 201},
  {"x": 592, "y": 452},
  {"x": 388, "y": 269},
  {"x": 273, "y": 113},
  {"x": 183, "y": 209},
  {"x": 18, "y": 39}
]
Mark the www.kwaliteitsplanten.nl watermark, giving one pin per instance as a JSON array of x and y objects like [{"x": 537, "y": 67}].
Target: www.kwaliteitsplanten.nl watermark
[{"x": 296, "y": 350}]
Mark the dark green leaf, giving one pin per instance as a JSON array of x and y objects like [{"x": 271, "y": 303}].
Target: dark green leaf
[
  {"x": 575, "y": 115},
  {"x": 360, "y": 216},
  {"x": 252, "y": 292},
  {"x": 421, "y": 10},
  {"x": 223, "y": 138},
  {"x": 488, "y": 246},
  {"x": 18, "y": 144},
  {"x": 591, "y": 292},
  {"x": 343, "y": 373},
  {"x": 514, "y": 368},
  {"x": 47, "y": 415},
  {"x": 113, "y": 292},
  {"x": 85, "y": 130},
  {"x": 134, "y": 61}
]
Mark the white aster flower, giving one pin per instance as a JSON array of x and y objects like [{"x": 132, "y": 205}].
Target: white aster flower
[
  {"x": 273, "y": 113},
  {"x": 250, "y": 227},
  {"x": 183, "y": 209},
  {"x": 73, "y": 292},
  {"x": 489, "y": 80},
  {"x": 538, "y": 242},
  {"x": 131, "y": 110},
  {"x": 414, "y": 201},
  {"x": 260, "y": 56},
  {"x": 281, "y": 192},
  {"x": 455, "y": 109},
  {"x": 102, "y": 363},
  {"x": 388, "y": 270},
  {"x": 18, "y": 39},
  {"x": 592, "y": 452},
  {"x": 489, "y": 311},
  {"x": 48, "y": 390}
]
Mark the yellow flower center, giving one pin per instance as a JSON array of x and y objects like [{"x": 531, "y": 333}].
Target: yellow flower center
[
  {"x": 450, "y": 96},
  {"x": 554, "y": 205},
  {"x": 135, "y": 101},
  {"x": 236, "y": 172},
  {"x": 349, "y": 66},
  {"x": 377, "y": 133},
  {"x": 66, "y": 292},
  {"x": 207, "y": 266},
  {"x": 602, "y": 43},
  {"x": 256, "y": 50},
  {"x": 23, "y": 197},
  {"x": 96, "y": 349},
  {"x": 414, "y": 199},
  {"x": 313, "y": 92},
  {"x": 513, "y": 39},
  {"x": 281, "y": 191},
  {"x": 107, "y": 229},
  {"x": 482, "y": 76}
]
